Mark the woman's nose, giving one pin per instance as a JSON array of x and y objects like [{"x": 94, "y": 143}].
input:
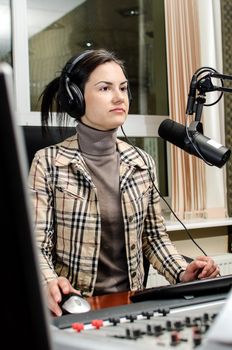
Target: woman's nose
[{"x": 118, "y": 95}]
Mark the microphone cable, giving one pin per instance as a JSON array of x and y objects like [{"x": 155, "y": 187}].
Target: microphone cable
[
  {"x": 210, "y": 72},
  {"x": 193, "y": 144},
  {"x": 161, "y": 196}
]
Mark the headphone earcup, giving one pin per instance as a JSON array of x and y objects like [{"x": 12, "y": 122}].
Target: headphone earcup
[
  {"x": 71, "y": 98},
  {"x": 78, "y": 99}
]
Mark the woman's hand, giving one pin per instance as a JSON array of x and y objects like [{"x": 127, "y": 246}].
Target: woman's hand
[
  {"x": 201, "y": 267},
  {"x": 54, "y": 290}
]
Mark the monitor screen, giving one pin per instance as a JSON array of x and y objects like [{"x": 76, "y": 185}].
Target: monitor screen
[{"x": 25, "y": 315}]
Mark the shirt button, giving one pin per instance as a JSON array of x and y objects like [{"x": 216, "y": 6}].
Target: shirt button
[
  {"x": 85, "y": 290},
  {"x": 132, "y": 246},
  {"x": 131, "y": 218},
  {"x": 133, "y": 274}
]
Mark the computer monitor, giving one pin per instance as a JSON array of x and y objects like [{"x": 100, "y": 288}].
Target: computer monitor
[{"x": 25, "y": 317}]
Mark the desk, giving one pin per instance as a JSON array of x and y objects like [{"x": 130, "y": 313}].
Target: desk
[{"x": 109, "y": 300}]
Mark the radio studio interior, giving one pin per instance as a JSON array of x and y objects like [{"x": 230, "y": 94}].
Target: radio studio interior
[{"x": 178, "y": 58}]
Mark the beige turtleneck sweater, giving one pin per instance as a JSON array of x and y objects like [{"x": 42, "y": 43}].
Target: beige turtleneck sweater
[{"x": 99, "y": 152}]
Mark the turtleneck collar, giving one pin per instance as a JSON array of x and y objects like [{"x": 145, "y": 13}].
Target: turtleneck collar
[{"x": 96, "y": 142}]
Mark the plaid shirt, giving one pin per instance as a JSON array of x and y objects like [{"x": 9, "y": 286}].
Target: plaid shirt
[{"x": 68, "y": 222}]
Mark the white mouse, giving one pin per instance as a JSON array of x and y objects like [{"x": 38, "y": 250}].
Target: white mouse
[{"x": 74, "y": 304}]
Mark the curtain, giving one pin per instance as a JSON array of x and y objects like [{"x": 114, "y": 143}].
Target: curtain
[{"x": 183, "y": 57}]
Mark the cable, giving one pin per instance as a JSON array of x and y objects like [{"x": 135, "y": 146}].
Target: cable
[
  {"x": 193, "y": 144},
  {"x": 209, "y": 70},
  {"x": 187, "y": 231}
]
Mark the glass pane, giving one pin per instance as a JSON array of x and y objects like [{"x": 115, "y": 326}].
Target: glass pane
[
  {"x": 5, "y": 32},
  {"x": 134, "y": 29}
]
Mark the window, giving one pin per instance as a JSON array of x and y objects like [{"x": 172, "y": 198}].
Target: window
[
  {"x": 133, "y": 29},
  {"x": 47, "y": 33},
  {"x": 5, "y": 32}
]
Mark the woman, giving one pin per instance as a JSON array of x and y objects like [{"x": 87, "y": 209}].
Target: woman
[{"x": 96, "y": 207}]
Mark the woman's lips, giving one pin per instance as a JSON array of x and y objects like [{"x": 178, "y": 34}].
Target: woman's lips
[{"x": 118, "y": 110}]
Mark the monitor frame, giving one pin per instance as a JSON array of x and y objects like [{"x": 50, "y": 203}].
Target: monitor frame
[{"x": 24, "y": 311}]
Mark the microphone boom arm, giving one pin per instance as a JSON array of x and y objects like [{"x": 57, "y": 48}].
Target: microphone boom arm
[
  {"x": 222, "y": 88},
  {"x": 221, "y": 76},
  {"x": 204, "y": 85}
]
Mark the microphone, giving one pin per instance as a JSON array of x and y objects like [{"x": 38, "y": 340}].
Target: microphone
[
  {"x": 191, "y": 95},
  {"x": 205, "y": 148}
]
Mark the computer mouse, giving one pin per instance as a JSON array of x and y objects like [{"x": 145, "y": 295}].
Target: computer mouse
[{"x": 74, "y": 304}]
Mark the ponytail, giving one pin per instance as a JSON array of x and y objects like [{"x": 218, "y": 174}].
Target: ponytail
[{"x": 51, "y": 105}]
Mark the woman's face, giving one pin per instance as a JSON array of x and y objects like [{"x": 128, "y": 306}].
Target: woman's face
[{"x": 106, "y": 97}]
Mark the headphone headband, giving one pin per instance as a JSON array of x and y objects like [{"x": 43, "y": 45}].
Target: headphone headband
[{"x": 73, "y": 62}]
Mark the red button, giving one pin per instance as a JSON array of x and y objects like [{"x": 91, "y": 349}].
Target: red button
[
  {"x": 78, "y": 326},
  {"x": 97, "y": 323}
]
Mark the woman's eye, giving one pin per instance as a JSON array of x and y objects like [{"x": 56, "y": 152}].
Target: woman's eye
[
  {"x": 124, "y": 88},
  {"x": 104, "y": 88}
]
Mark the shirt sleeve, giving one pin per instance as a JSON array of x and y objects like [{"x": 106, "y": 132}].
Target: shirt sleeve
[
  {"x": 42, "y": 209},
  {"x": 157, "y": 246}
]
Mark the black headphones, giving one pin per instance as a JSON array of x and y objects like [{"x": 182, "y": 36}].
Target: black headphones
[{"x": 70, "y": 96}]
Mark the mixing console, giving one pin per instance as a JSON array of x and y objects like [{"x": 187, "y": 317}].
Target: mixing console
[{"x": 148, "y": 327}]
